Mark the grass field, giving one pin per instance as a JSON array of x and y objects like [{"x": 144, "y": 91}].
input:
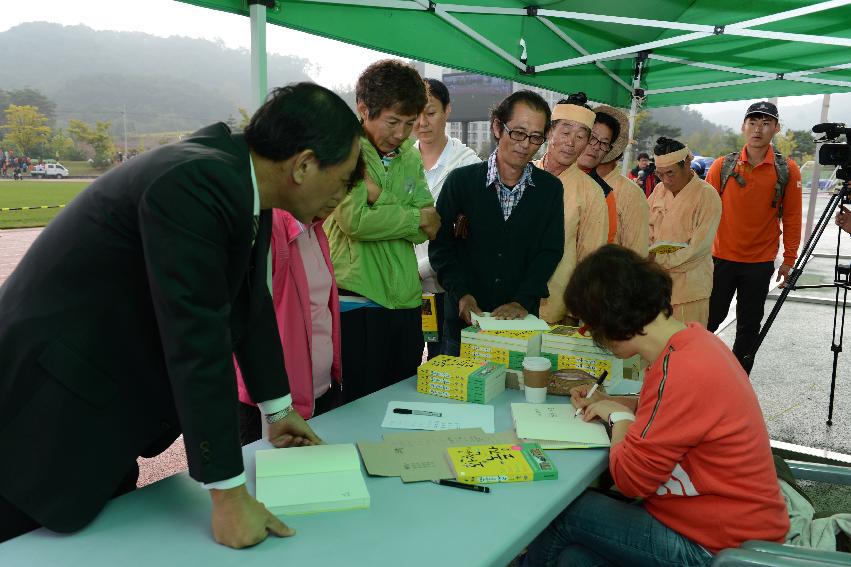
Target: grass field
[{"x": 35, "y": 194}]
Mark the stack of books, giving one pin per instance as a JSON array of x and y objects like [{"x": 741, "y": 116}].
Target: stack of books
[
  {"x": 461, "y": 379},
  {"x": 567, "y": 347},
  {"x": 482, "y": 464},
  {"x": 508, "y": 348}
]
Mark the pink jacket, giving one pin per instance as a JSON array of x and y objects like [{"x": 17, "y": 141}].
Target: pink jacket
[{"x": 291, "y": 297}]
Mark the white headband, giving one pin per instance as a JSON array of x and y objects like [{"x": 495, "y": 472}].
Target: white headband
[
  {"x": 576, "y": 113},
  {"x": 666, "y": 160}
]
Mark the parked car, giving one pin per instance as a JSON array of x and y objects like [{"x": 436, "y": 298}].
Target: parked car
[
  {"x": 50, "y": 170},
  {"x": 701, "y": 165},
  {"x": 827, "y": 178}
]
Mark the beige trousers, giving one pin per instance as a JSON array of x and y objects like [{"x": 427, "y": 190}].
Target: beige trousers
[{"x": 692, "y": 312}]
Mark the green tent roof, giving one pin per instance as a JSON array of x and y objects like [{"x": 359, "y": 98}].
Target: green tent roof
[{"x": 697, "y": 51}]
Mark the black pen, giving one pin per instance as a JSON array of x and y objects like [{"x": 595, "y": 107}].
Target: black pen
[
  {"x": 407, "y": 411},
  {"x": 592, "y": 390},
  {"x": 456, "y": 484}
]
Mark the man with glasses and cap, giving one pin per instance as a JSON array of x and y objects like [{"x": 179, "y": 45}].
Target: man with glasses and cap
[
  {"x": 600, "y": 159},
  {"x": 502, "y": 233},
  {"x": 684, "y": 209},
  {"x": 586, "y": 215},
  {"x": 761, "y": 194}
]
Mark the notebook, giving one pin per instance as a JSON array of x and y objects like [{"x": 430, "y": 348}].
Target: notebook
[
  {"x": 489, "y": 323},
  {"x": 666, "y": 247},
  {"x": 554, "y": 426},
  {"x": 306, "y": 480}
]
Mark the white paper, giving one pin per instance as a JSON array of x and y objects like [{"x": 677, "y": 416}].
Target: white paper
[
  {"x": 452, "y": 416},
  {"x": 529, "y": 323},
  {"x": 556, "y": 422}
]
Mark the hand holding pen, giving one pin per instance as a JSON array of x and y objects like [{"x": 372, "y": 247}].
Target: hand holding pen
[{"x": 590, "y": 392}]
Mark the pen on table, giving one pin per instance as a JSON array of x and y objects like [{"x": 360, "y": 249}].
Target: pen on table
[
  {"x": 407, "y": 411},
  {"x": 456, "y": 484},
  {"x": 592, "y": 390}
]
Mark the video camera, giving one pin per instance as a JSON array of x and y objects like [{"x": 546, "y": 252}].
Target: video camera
[{"x": 831, "y": 152}]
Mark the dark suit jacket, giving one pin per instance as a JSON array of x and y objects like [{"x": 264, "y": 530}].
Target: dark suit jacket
[{"x": 118, "y": 326}]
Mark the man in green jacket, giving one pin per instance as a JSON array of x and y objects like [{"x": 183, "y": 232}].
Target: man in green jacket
[{"x": 372, "y": 235}]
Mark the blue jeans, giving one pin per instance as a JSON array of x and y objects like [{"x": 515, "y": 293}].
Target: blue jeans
[{"x": 597, "y": 530}]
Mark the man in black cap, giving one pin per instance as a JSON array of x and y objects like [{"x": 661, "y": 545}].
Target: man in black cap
[{"x": 761, "y": 197}]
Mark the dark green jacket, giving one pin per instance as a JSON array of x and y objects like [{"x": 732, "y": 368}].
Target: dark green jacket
[{"x": 500, "y": 261}]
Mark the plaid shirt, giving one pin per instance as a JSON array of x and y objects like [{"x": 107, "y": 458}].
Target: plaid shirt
[{"x": 508, "y": 198}]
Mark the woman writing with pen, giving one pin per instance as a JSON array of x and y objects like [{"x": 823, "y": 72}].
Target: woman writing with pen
[{"x": 693, "y": 446}]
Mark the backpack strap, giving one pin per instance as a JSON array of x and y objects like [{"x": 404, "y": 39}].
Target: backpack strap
[
  {"x": 728, "y": 169},
  {"x": 781, "y": 168}
]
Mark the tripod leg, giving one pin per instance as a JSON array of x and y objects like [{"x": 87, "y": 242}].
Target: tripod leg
[{"x": 791, "y": 282}]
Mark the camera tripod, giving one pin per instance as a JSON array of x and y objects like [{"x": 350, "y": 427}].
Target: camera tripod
[{"x": 841, "y": 281}]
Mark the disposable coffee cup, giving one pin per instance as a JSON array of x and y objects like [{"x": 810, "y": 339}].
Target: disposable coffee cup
[{"x": 537, "y": 371}]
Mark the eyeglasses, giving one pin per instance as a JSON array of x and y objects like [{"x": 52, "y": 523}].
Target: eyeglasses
[
  {"x": 595, "y": 141},
  {"x": 518, "y": 136}
]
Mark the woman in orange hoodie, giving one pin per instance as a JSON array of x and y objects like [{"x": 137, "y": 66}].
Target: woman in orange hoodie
[{"x": 693, "y": 446}]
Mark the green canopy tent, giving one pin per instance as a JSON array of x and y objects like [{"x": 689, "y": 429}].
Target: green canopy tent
[
  {"x": 686, "y": 52},
  {"x": 626, "y": 53}
]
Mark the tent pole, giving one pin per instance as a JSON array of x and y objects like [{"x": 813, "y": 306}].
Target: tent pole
[
  {"x": 259, "y": 88},
  {"x": 259, "y": 78},
  {"x": 627, "y": 155},
  {"x": 814, "y": 185},
  {"x": 637, "y": 93}
]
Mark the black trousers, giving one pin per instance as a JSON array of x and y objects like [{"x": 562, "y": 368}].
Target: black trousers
[
  {"x": 249, "y": 416},
  {"x": 380, "y": 347},
  {"x": 749, "y": 281},
  {"x": 435, "y": 348}
]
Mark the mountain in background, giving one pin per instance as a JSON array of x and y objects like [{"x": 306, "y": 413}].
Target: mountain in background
[
  {"x": 797, "y": 117},
  {"x": 689, "y": 121},
  {"x": 165, "y": 84},
  {"x": 177, "y": 84}
]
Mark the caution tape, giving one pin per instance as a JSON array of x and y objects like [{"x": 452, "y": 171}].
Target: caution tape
[{"x": 4, "y": 209}]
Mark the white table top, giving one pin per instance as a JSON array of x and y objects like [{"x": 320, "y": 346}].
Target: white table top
[{"x": 168, "y": 522}]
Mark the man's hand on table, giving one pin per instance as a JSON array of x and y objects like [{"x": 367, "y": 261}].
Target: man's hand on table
[
  {"x": 511, "y": 310},
  {"x": 292, "y": 431},
  {"x": 239, "y": 520},
  {"x": 467, "y": 305}
]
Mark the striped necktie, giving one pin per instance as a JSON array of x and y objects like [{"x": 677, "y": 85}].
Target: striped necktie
[{"x": 255, "y": 226}]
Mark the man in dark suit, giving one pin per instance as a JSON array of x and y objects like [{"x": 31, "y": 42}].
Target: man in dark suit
[{"x": 118, "y": 326}]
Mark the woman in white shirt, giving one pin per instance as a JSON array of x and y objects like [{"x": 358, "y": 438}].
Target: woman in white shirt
[{"x": 441, "y": 154}]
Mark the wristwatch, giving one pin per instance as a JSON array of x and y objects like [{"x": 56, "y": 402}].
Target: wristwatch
[
  {"x": 278, "y": 415},
  {"x": 617, "y": 416}
]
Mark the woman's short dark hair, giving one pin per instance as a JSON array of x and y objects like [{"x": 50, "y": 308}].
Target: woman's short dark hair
[
  {"x": 611, "y": 122},
  {"x": 390, "y": 83},
  {"x": 505, "y": 109},
  {"x": 303, "y": 116},
  {"x": 616, "y": 293},
  {"x": 438, "y": 90},
  {"x": 667, "y": 145},
  {"x": 644, "y": 155}
]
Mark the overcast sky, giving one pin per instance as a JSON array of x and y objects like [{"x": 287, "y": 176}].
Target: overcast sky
[{"x": 334, "y": 63}]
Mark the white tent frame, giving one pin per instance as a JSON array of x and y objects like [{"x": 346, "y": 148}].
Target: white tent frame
[{"x": 259, "y": 80}]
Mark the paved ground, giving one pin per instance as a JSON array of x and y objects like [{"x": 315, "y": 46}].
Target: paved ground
[{"x": 791, "y": 375}]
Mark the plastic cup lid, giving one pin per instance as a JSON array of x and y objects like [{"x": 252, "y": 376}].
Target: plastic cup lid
[{"x": 536, "y": 363}]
